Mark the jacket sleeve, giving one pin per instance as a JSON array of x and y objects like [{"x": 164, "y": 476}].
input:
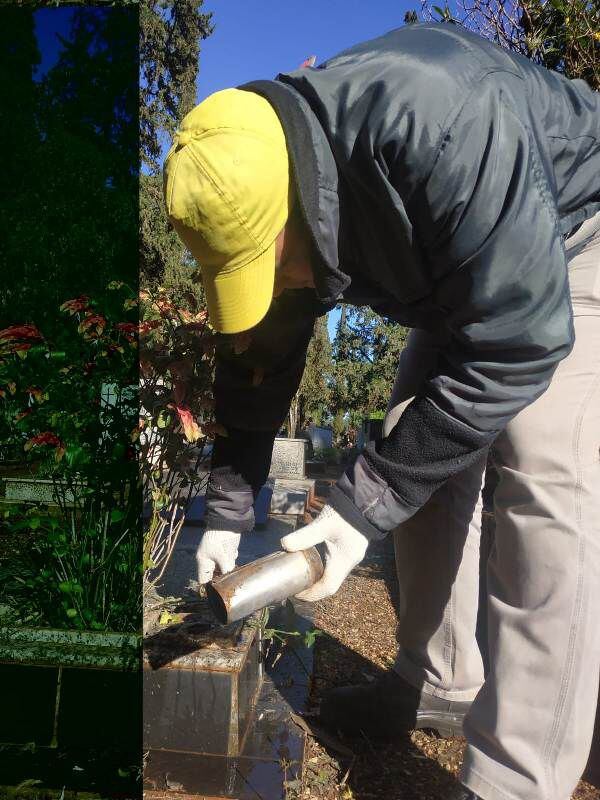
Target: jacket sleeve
[
  {"x": 253, "y": 390},
  {"x": 489, "y": 222}
]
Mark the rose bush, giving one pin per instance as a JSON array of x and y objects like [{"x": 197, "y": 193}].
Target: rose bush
[
  {"x": 71, "y": 404},
  {"x": 176, "y": 369}
]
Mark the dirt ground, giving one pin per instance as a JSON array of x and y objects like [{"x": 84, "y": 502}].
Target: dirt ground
[{"x": 357, "y": 644}]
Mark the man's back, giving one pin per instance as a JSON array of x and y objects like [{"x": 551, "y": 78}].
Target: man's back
[{"x": 407, "y": 87}]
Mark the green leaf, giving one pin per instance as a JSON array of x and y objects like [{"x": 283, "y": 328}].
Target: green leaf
[
  {"x": 164, "y": 419},
  {"x": 310, "y": 636},
  {"x": 116, "y": 515},
  {"x": 76, "y": 455},
  {"x": 71, "y": 613},
  {"x": 118, "y": 452},
  {"x": 28, "y": 783}
]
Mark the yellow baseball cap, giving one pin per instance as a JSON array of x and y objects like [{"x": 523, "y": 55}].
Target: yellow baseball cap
[{"x": 227, "y": 192}]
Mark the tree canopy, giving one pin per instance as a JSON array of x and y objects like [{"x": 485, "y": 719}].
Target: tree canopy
[
  {"x": 563, "y": 35},
  {"x": 170, "y": 36},
  {"x": 69, "y": 195},
  {"x": 312, "y": 402},
  {"x": 366, "y": 350}
]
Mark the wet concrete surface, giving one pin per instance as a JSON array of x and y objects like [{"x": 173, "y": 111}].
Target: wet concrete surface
[{"x": 270, "y": 747}]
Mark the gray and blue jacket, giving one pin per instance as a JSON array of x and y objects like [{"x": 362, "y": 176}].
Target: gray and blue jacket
[{"x": 438, "y": 175}]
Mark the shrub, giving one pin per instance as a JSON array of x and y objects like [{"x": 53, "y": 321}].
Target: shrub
[
  {"x": 72, "y": 404},
  {"x": 176, "y": 359}
]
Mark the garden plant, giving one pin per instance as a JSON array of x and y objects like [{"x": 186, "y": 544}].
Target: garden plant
[
  {"x": 70, "y": 412},
  {"x": 176, "y": 365}
]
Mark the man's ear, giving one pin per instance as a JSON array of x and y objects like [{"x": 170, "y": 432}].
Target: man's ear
[{"x": 308, "y": 62}]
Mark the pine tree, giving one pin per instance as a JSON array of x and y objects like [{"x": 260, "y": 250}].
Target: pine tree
[
  {"x": 170, "y": 36},
  {"x": 366, "y": 351},
  {"x": 19, "y": 139},
  {"x": 70, "y": 225},
  {"x": 311, "y": 402}
]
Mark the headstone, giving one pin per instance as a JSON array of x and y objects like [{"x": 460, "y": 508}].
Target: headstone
[
  {"x": 320, "y": 437},
  {"x": 370, "y": 430},
  {"x": 315, "y": 468},
  {"x": 201, "y": 679},
  {"x": 289, "y": 501},
  {"x": 292, "y": 496},
  {"x": 288, "y": 459},
  {"x": 217, "y": 723}
]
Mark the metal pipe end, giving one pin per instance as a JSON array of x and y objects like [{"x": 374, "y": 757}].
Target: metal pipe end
[
  {"x": 217, "y": 604},
  {"x": 315, "y": 563}
]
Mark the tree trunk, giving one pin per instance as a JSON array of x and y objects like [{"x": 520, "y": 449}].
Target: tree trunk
[{"x": 293, "y": 418}]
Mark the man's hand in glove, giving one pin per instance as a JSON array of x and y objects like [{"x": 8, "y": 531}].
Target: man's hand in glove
[
  {"x": 217, "y": 548},
  {"x": 345, "y": 547}
]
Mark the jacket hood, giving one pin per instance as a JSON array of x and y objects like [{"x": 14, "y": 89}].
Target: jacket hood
[{"x": 316, "y": 180}]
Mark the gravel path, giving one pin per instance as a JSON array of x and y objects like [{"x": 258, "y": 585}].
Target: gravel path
[{"x": 358, "y": 643}]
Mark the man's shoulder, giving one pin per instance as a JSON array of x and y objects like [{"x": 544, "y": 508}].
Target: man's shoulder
[
  {"x": 417, "y": 75},
  {"x": 436, "y": 51}
]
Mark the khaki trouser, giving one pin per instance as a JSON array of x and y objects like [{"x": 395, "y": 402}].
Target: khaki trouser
[{"x": 530, "y": 726}]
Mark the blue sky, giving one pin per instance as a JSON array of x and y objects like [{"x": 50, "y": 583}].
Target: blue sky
[
  {"x": 258, "y": 40},
  {"x": 49, "y": 22}
]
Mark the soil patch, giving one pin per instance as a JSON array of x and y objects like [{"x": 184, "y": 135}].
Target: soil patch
[{"x": 358, "y": 643}]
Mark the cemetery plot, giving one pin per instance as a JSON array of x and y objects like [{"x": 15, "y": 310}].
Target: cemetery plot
[
  {"x": 217, "y": 700},
  {"x": 288, "y": 459}
]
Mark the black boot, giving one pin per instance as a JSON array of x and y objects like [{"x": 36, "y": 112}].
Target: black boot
[{"x": 390, "y": 707}]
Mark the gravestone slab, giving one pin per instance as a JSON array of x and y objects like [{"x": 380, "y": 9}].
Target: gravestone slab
[
  {"x": 34, "y": 490},
  {"x": 196, "y": 693},
  {"x": 296, "y": 484},
  {"x": 288, "y": 459},
  {"x": 201, "y": 681},
  {"x": 273, "y": 751},
  {"x": 320, "y": 437},
  {"x": 292, "y": 496},
  {"x": 289, "y": 501}
]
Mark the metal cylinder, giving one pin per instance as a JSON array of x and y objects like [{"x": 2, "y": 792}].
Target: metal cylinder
[{"x": 267, "y": 581}]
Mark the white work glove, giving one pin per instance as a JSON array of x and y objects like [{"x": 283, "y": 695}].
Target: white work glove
[
  {"x": 217, "y": 548},
  {"x": 345, "y": 547}
]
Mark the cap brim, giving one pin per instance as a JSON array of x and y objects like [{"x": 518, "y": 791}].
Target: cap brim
[{"x": 239, "y": 299}]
